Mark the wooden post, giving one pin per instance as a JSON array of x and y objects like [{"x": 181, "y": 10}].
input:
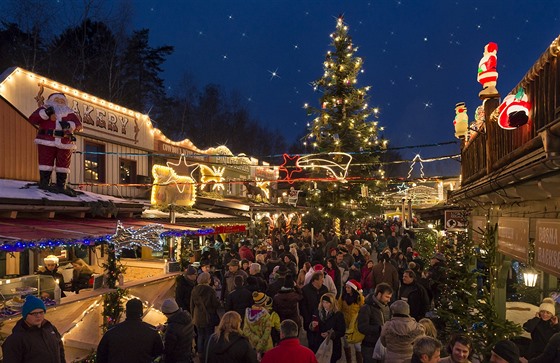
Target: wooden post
[{"x": 491, "y": 131}]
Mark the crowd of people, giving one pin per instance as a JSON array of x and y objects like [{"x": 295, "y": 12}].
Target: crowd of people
[{"x": 365, "y": 293}]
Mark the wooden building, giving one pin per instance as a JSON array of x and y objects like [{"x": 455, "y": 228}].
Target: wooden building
[{"x": 512, "y": 176}]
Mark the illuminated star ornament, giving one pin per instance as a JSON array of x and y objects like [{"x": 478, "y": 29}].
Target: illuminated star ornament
[
  {"x": 172, "y": 188},
  {"x": 290, "y": 166},
  {"x": 212, "y": 175}
]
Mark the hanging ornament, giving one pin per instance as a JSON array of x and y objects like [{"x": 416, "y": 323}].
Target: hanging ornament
[
  {"x": 461, "y": 121},
  {"x": 514, "y": 111}
]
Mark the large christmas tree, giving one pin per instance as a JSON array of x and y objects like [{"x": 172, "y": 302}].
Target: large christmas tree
[{"x": 344, "y": 131}]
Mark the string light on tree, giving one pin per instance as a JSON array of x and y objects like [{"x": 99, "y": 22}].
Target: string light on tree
[{"x": 344, "y": 124}]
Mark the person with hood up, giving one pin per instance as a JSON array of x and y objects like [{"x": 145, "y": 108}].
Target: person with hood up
[
  {"x": 398, "y": 334},
  {"x": 228, "y": 345},
  {"x": 130, "y": 341},
  {"x": 286, "y": 301},
  {"x": 178, "y": 336},
  {"x": 330, "y": 322},
  {"x": 34, "y": 339},
  {"x": 257, "y": 324}
]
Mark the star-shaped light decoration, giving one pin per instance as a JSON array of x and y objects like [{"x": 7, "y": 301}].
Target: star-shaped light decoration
[
  {"x": 290, "y": 167},
  {"x": 402, "y": 188},
  {"x": 129, "y": 238},
  {"x": 172, "y": 188},
  {"x": 212, "y": 175},
  {"x": 264, "y": 186}
]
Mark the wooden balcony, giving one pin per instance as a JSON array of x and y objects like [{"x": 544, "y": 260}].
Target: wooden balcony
[{"x": 495, "y": 149}]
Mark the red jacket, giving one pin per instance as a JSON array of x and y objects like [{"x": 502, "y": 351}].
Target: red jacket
[
  {"x": 289, "y": 350},
  {"x": 47, "y": 127}
]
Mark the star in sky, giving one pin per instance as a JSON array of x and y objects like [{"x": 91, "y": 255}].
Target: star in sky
[
  {"x": 427, "y": 105},
  {"x": 274, "y": 74}
]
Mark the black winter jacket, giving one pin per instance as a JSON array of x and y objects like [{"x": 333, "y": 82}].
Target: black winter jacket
[
  {"x": 29, "y": 344},
  {"x": 183, "y": 291},
  {"x": 130, "y": 341},
  {"x": 178, "y": 338},
  {"x": 371, "y": 317}
]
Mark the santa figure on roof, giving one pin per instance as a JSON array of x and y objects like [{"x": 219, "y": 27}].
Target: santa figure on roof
[{"x": 55, "y": 141}]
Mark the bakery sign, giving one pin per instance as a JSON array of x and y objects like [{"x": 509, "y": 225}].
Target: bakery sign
[
  {"x": 513, "y": 237},
  {"x": 547, "y": 249}
]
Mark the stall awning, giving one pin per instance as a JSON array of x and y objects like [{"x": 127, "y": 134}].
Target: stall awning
[{"x": 33, "y": 229}]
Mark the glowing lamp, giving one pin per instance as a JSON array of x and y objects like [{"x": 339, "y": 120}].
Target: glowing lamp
[{"x": 530, "y": 276}]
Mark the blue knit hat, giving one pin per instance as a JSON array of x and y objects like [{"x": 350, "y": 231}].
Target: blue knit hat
[{"x": 31, "y": 303}]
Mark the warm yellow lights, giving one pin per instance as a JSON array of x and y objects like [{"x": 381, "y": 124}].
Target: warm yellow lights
[
  {"x": 212, "y": 175},
  {"x": 171, "y": 188}
]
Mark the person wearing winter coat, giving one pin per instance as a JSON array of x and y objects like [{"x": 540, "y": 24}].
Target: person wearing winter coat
[
  {"x": 130, "y": 341},
  {"x": 227, "y": 344},
  {"x": 34, "y": 339},
  {"x": 398, "y": 334},
  {"x": 385, "y": 272},
  {"x": 178, "y": 336},
  {"x": 286, "y": 301},
  {"x": 415, "y": 295},
  {"x": 542, "y": 327},
  {"x": 184, "y": 285},
  {"x": 330, "y": 322},
  {"x": 289, "y": 349},
  {"x": 257, "y": 324},
  {"x": 551, "y": 353},
  {"x": 51, "y": 269},
  {"x": 350, "y": 303},
  {"x": 240, "y": 298},
  {"x": 371, "y": 317},
  {"x": 204, "y": 308}
]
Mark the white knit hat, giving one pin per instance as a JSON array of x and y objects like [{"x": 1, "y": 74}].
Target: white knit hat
[
  {"x": 548, "y": 305},
  {"x": 51, "y": 259}
]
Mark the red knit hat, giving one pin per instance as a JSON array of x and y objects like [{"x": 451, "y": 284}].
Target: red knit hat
[
  {"x": 354, "y": 284},
  {"x": 318, "y": 267}
]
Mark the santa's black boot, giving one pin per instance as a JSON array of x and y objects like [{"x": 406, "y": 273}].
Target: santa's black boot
[
  {"x": 61, "y": 185},
  {"x": 44, "y": 179}
]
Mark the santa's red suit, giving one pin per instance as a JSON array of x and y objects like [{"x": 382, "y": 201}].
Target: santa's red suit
[
  {"x": 487, "y": 66},
  {"x": 55, "y": 140}
]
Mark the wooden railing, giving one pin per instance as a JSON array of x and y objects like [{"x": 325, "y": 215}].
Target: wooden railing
[{"x": 495, "y": 148}]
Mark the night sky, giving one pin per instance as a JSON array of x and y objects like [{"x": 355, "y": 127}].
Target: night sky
[{"x": 420, "y": 57}]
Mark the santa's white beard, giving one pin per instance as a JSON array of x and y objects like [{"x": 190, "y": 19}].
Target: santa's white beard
[{"x": 59, "y": 110}]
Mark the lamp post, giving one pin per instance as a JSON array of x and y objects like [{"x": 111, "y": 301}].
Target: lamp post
[{"x": 530, "y": 276}]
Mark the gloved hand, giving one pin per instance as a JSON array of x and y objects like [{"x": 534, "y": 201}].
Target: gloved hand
[
  {"x": 49, "y": 111},
  {"x": 65, "y": 125}
]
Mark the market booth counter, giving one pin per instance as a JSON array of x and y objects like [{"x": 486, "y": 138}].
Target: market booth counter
[{"x": 79, "y": 317}]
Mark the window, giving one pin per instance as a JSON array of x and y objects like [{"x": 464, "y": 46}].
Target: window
[
  {"x": 94, "y": 162},
  {"x": 127, "y": 171}
]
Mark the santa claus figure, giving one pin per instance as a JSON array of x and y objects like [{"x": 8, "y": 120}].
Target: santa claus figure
[
  {"x": 487, "y": 73},
  {"x": 461, "y": 121},
  {"x": 514, "y": 111},
  {"x": 55, "y": 140}
]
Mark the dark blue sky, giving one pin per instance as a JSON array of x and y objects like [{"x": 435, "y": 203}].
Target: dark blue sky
[{"x": 420, "y": 57}]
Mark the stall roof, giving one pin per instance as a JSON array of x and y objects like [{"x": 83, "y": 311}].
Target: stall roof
[{"x": 32, "y": 229}]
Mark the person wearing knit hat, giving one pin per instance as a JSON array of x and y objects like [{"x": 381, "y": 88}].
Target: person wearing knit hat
[
  {"x": 399, "y": 333},
  {"x": 131, "y": 340},
  {"x": 178, "y": 334},
  {"x": 257, "y": 323},
  {"x": 505, "y": 351},
  {"x": 33, "y": 338},
  {"x": 50, "y": 268},
  {"x": 542, "y": 327},
  {"x": 350, "y": 302}
]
